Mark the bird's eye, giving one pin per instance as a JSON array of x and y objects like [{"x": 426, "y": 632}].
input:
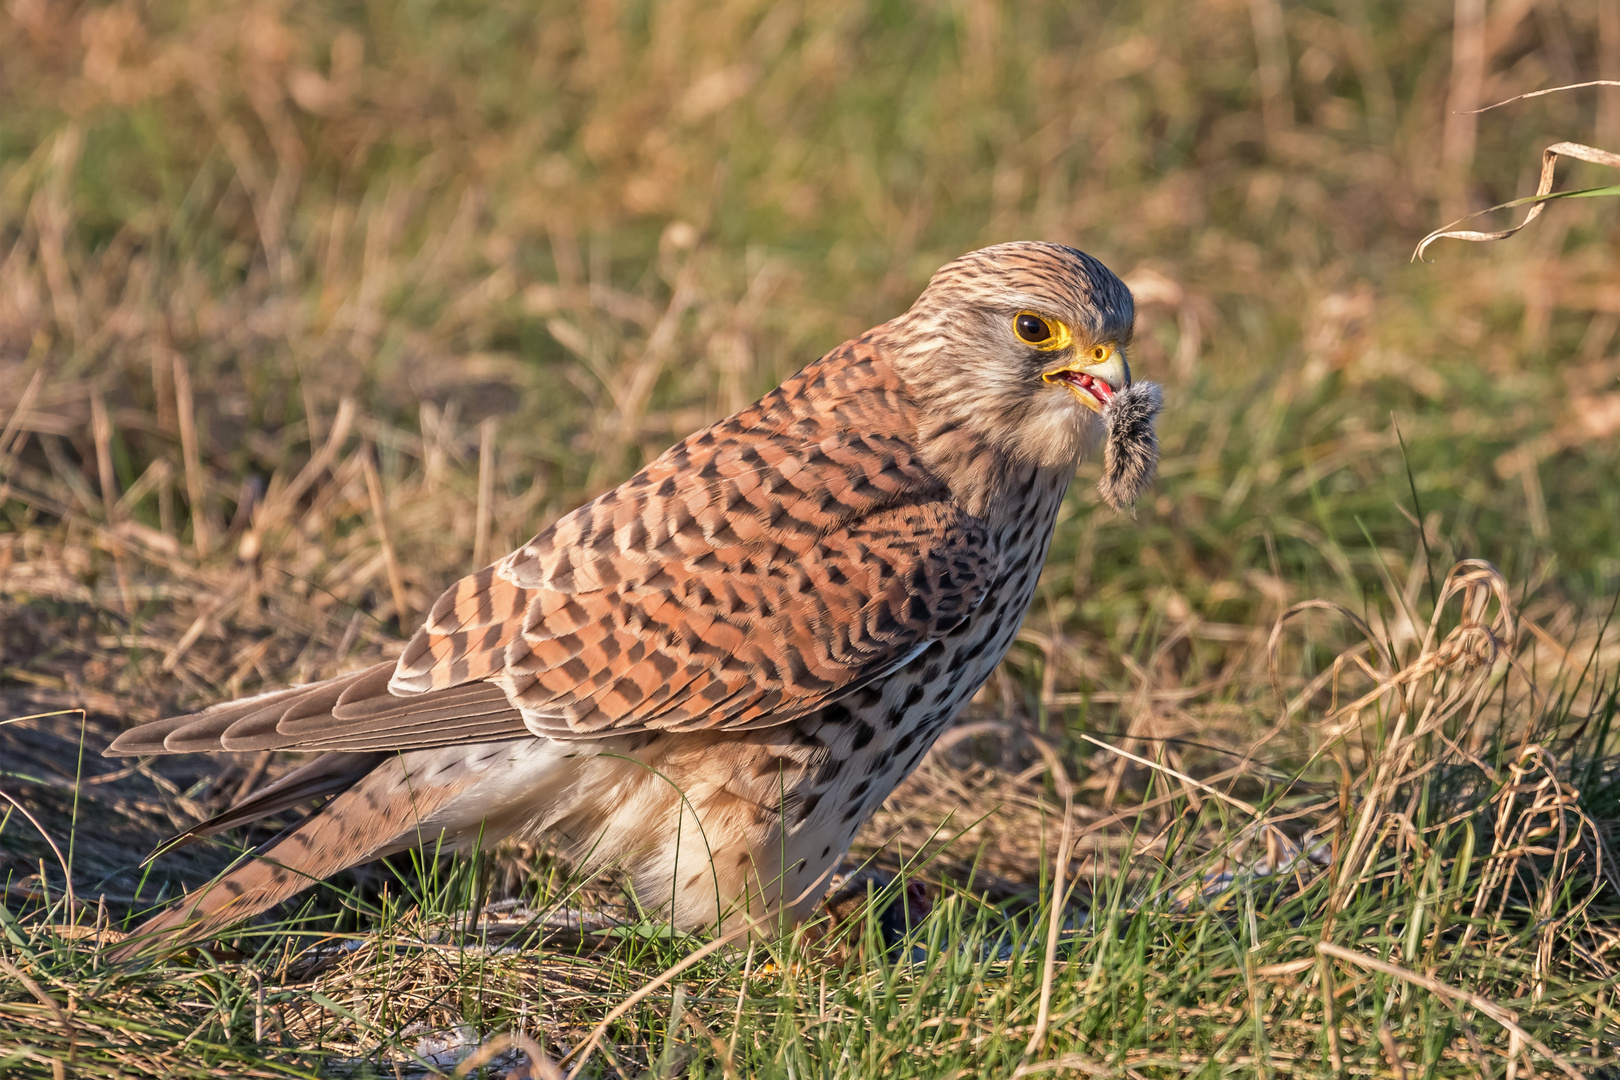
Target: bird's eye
[{"x": 1031, "y": 328}]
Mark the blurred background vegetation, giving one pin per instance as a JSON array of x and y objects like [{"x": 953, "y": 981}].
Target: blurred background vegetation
[{"x": 308, "y": 309}]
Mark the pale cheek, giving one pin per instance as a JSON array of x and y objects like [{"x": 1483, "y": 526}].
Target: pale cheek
[
  {"x": 1092, "y": 432},
  {"x": 1058, "y": 431}
]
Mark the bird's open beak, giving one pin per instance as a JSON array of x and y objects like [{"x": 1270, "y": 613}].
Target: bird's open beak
[{"x": 1094, "y": 383}]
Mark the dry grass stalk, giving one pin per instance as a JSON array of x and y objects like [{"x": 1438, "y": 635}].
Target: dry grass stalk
[
  {"x": 1271, "y": 42},
  {"x": 196, "y": 486},
  {"x": 101, "y": 432},
  {"x": 1468, "y": 59},
  {"x": 1434, "y": 986},
  {"x": 379, "y": 513},
  {"x": 67, "y": 877},
  {"x": 540, "y": 1067},
  {"x": 12, "y": 437},
  {"x": 1549, "y": 90},
  {"x": 1538, "y": 201},
  {"x": 486, "y": 492},
  {"x": 1059, "y": 899}
]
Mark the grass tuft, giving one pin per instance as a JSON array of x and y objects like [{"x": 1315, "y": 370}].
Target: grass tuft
[{"x": 307, "y": 310}]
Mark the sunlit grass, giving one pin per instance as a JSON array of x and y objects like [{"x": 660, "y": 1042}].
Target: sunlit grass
[{"x": 509, "y": 251}]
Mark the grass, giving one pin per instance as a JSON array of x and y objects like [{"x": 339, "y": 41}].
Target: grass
[{"x": 304, "y": 311}]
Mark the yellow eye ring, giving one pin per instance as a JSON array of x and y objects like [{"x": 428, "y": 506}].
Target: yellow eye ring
[{"x": 1047, "y": 335}]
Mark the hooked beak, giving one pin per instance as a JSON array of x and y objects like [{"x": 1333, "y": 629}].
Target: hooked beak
[{"x": 1093, "y": 383}]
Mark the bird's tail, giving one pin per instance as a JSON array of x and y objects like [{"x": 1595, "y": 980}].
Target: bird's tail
[{"x": 385, "y": 811}]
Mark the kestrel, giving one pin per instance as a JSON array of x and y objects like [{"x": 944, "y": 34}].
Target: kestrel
[{"x": 713, "y": 674}]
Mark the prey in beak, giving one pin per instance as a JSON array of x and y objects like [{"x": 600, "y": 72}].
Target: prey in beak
[
  {"x": 1094, "y": 376},
  {"x": 1100, "y": 379}
]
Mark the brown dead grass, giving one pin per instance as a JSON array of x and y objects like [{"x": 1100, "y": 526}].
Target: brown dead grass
[{"x": 304, "y": 315}]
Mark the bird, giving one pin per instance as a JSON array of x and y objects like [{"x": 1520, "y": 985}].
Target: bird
[{"x": 710, "y": 676}]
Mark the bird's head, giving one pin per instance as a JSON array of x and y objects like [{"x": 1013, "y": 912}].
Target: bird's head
[{"x": 1020, "y": 346}]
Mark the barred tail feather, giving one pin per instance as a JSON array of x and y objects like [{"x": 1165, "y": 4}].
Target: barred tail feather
[{"x": 384, "y": 812}]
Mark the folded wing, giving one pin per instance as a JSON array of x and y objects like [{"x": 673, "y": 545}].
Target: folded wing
[{"x": 757, "y": 571}]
